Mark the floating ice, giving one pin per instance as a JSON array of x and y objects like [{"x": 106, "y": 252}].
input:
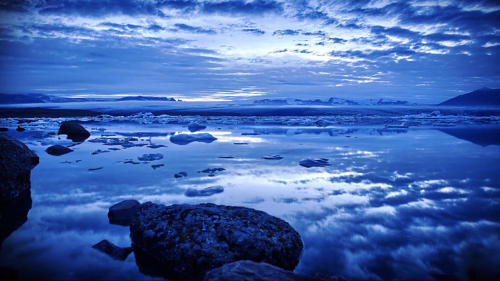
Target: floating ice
[
  {"x": 150, "y": 157},
  {"x": 183, "y": 139}
]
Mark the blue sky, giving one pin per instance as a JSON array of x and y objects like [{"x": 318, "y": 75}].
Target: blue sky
[{"x": 423, "y": 51}]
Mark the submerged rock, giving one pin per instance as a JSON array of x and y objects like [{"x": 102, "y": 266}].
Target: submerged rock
[
  {"x": 95, "y": 169},
  {"x": 122, "y": 213},
  {"x": 156, "y": 166},
  {"x": 16, "y": 163},
  {"x": 150, "y": 157},
  {"x": 188, "y": 240},
  {"x": 272, "y": 157},
  {"x": 180, "y": 175},
  {"x": 183, "y": 139},
  {"x": 110, "y": 249},
  {"x": 20, "y": 129},
  {"x": 57, "y": 150},
  {"x": 308, "y": 163},
  {"x": 193, "y": 127},
  {"x": 245, "y": 270},
  {"x": 74, "y": 131},
  {"x": 211, "y": 190}
]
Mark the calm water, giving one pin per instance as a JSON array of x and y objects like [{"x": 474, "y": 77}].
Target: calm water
[{"x": 393, "y": 204}]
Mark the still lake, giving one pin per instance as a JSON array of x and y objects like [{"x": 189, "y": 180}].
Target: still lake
[{"x": 419, "y": 203}]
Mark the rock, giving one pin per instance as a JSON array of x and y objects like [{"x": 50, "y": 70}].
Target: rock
[
  {"x": 150, "y": 157},
  {"x": 193, "y": 127},
  {"x": 99, "y": 151},
  {"x": 95, "y": 169},
  {"x": 74, "y": 131},
  {"x": 8, "y": 273},
  {"x": 211, "y": 190},
  {"x": 154, "y": 146},
  {"x": 110, "y": 249},
  {"x": 156, "y": 166},
  {"x": 16, "y": 163},
  {"x": 272, "y": 157},
  {"x": 246, "y": 270},
  {"x": 122, "y": 213},
  {"x": 240, "y": 143},
  {"x": 308, "y": 163},
  {"x": 183, "y": 139},
  {"x": 180, "y": 175},
  {"x": 188, "y": 240},
  {"x": 58, "y": 150},
  {"x": 4, "y": 129},
  {"x": 20, "y": 129},
  {"x": 212, "y": 171}
]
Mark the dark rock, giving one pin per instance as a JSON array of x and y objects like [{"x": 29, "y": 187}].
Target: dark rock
[
  {"x": 240, "y": 143},
  {"x": 211, "y": 190},
  {"x": 245, "y": 270},
  {"x": 20, "y": 129},
  {"x": 110, "y": 249},
  {"x": 154, "y": 146},
  {"x": 16, "y": 163},
  {"x": 10, "y": 274},
  {"x": 122, "y": 213},
  {"x": 308, "y": 163},
  {"x": 58, "y": 150},
  {"x": 272, "y": 157},
  {"x": 4, "y": 129},
  {"x": 99, "y": 151},
  {"x": 193, "y": 127},
  {"x": 155, "y": 166},
  {"x": 180, "y": 175},
  {"x": 188, "y": 240},
  {"x": 95, "y": 169},
  {"x": 74, "y": 131}
]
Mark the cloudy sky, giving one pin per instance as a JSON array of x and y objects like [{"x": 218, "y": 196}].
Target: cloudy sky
[{"x": 423, "y": 51}]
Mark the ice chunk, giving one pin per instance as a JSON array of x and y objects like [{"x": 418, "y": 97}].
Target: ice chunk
[
  {"x": 150, "y": 157},
  {"x": 183, "y": 139}
]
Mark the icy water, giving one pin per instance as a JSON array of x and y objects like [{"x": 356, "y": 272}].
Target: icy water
[{"x": 418, "y": 203}]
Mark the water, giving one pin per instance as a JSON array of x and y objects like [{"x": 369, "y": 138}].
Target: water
[{"x": 417, "y": 203}]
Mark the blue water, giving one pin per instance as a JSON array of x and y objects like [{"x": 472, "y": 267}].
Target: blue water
[{"x": 394, "y": 204}]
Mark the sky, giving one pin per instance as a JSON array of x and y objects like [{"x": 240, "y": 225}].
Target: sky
[{"x": 228, "y": 50}]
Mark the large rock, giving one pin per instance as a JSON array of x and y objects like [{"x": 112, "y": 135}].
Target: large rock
[
  {"x": 110, "y": 249},
  {"x": 16, "y": 162},
  {"x": 188, "y": 240},
  {"x": 123, "y": 212},
  {"x": 57, "y": 150},
  {"x": 74, "y": 131},
  {"x": 246, "y": 270}
]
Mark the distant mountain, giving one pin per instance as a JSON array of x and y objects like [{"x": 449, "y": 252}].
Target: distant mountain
[
  {"x": 481, "y": 97},
  {"x": 143, "y": 98},
  {"x": 330, "y": 101},
  {"x": 34, "y": 98}
]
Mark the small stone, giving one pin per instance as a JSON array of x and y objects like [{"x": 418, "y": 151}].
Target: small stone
[
  {"x": 57, "y": 150},
  {"x": 123, "y": 212},
  {"x": 110, "y": 249}
]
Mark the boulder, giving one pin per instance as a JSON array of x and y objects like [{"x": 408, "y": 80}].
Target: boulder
[
  {"x": 74, "y": 131},
  {"x": 123, "y": 212},
  {"x": 150, "y": 157},
  {"x": 245, "y": 270},
  {"x": 186, "y": 241},
  {"x": 110, "y": 249},
  {"x": 57, "y": 150},
  {"x": 16, "y": 162}
]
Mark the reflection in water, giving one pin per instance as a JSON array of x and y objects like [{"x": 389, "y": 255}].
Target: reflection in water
[
  {"x": 414, "y": 205},
  {"x": 478, "y": 135},
  {"x": 14, "y": 213}
]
